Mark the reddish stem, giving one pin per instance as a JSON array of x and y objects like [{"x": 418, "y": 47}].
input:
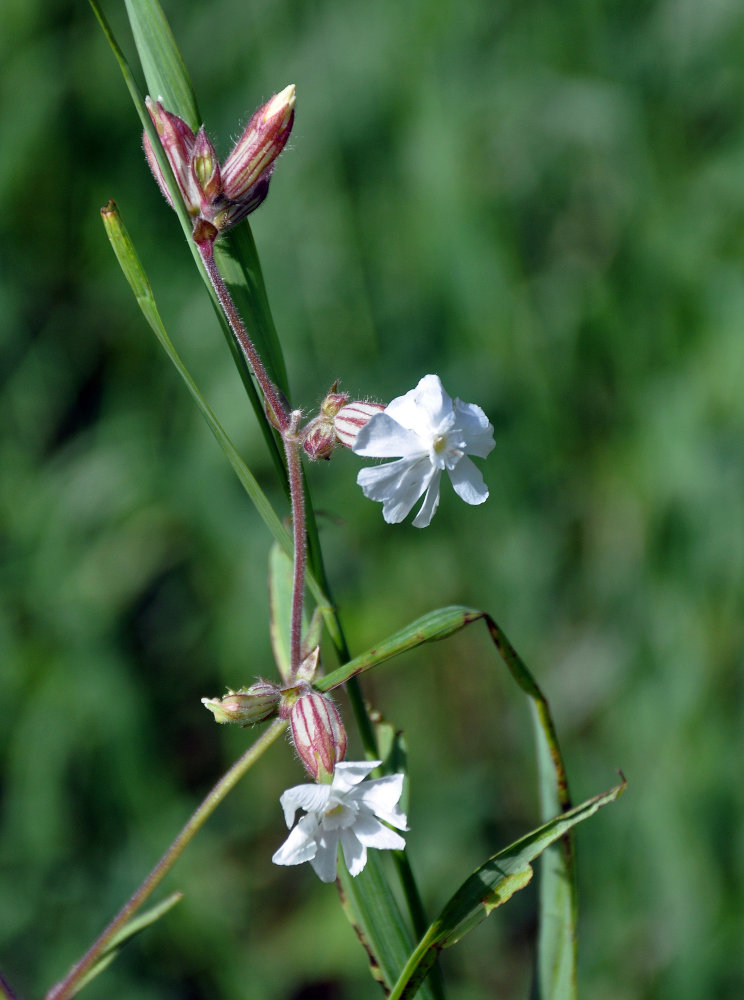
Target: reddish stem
[
  {"x": 296, "y": 492},
  {"x": 275, "y": 403},
  {"x": 288, "y": 426}
]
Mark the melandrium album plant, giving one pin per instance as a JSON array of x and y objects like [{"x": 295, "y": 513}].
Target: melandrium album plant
[{"x": 348, "y": 812}]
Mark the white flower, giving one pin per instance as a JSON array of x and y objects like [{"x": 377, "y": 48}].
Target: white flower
[
  {"x": 345, "y": 811},
  {"x": 430, "y": 432}
]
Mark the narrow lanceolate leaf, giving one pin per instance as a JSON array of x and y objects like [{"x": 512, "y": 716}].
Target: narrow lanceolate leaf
[
  {"x": 491, "y": 885},
  {"x": 280, "y": 607},
  {"x": 429, "y": 628},
  {"x": 126, "y": 934},
  {"x": 131, "y": 265},
  {"x": 373, "y": 912},
  {"x": 162, "y": 63}
]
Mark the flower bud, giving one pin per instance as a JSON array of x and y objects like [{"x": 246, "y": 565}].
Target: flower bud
[
  {"x": 178, "y": 142},
  {"x": 205, "y": 172},
  {"x": 318, "y": 733},
  {"x": 260, "y": 144},
  {"x": 351, "y": 418},
  {"x": 227, "y": 214},
  {"x": 319, "y": 438},
  {"x": 247, "y": 706}
]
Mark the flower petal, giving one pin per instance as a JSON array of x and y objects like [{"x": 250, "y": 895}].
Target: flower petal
[
  {"x": 311, "y": 798},
  {"x": 429, "y": 506},
  {"x": 381, "y": 796},
  {"x": 398, "y": 485},
  {"x": 476, "y": 428},
  {"x": 355, "y": 853},
  {"x": 424, "y": 408},
  {"x": 372, "y": 833},
  {"x": 300, "y": 846},
  {"x": 349, "y": 773},
  {"x": 383, "y": 437},
  {"x": 324, "y": 862},
  {"x": 468, "y": 483}
]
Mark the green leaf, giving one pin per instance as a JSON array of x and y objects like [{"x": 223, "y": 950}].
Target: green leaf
[
  {"x": 127, "y": 932},
  {"x": 162, "y": 63},
  {"x": 373, "y": 912},
  {"x": 489, "y": 887},
  {"x": 280, "y": 607},
  {"x": 429, "y": 628}
]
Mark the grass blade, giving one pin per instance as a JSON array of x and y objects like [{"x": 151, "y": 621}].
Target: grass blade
[{"x": 489, "y": 887}]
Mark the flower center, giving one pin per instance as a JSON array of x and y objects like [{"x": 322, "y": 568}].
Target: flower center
[
  {"x": 339, "y": 816},
  {"x": 439, "y": 443}
]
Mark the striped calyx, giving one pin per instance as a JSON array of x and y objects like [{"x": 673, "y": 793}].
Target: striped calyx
[{"x": 317, "y": 732}]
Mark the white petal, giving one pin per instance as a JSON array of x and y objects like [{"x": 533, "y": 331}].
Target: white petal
[
  {"x": 349, "y": 773},
  {"x": 372, "y": 833},
  {"x": 429, "y": 506},
  {"x": 398, "y": 485},
  {"x": 300, "y": 845},
  {"x": 384, "y": 437},
  {"x": 468, "y": 482},
  {"x": 424, "y": 408},
  {"x": 476, "y": 428},
  {"x": 355, "y": 853},
  {"x": 324, "y": 862},
  {"x": 381, "y": 796},
  {"x": 311, "y": 798}
]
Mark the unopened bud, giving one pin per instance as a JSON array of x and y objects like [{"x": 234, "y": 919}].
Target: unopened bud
[
  {"x": 351, "y": 418},
  {"x": 247, "y": 706},
  {"x": 319, "y": 436},
  {"x": 317, "y": 731},
  {"x": 205, "y": 169},
  {"x": 177, "y": 140},
  {"x": 260, "y": 144}
]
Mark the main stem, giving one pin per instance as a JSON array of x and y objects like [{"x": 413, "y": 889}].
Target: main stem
[
  {"x": 276, "y": 405},
  {"x": 297, "y": 496},
  {"x": 288, "y": 425}
]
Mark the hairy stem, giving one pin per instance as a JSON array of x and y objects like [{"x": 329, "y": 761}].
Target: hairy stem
[
  {"x": 276, "y": 404},
  {"x": 297, "y": 496}
]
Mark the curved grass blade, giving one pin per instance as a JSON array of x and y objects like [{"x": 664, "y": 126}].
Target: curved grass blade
[
  {"x": 127, "y": 932},
  {"x": 134, "y": 273},
  {"x": 491, "y": 885}
]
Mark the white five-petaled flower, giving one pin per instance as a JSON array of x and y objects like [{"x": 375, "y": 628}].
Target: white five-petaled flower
[
  {"x": 429, "y": 431},
  {"x": 348, "y": 811}
]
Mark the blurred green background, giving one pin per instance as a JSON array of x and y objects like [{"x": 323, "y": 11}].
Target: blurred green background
[{"x": 544, "y": 203}]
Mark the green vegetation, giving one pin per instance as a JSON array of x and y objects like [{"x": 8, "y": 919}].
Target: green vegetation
[{"x": 544, "y": 203}]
